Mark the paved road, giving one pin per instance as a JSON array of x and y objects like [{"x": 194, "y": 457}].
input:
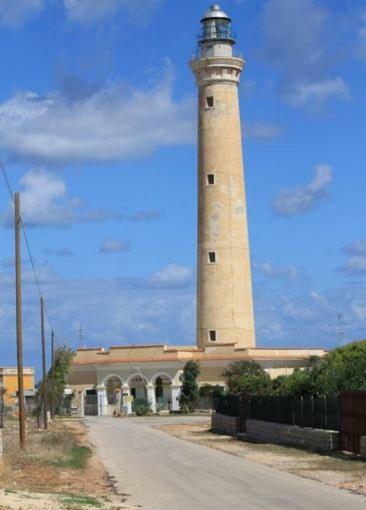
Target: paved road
[{"x": 162, "y": 472}]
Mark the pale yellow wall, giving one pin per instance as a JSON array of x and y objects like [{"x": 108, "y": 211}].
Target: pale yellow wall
[
  {"x": 224, "y": 289},
  {"x": 10, "y": 382}
]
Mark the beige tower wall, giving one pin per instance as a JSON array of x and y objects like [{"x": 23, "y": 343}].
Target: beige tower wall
[{"x": 224, "y": 289}]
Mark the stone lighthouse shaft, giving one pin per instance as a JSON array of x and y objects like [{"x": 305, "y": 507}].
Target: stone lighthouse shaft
[{"x": 224, "y": 284}]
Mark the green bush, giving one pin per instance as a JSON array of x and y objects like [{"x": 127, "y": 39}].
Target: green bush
[
  {"x": 247, "y": 376},
  {"x": 211, "y": 390},
  {"x": 189, "y": 393},
  {"x": 141, "y": 407}
]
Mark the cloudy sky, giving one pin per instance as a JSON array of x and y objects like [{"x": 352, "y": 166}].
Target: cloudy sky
[{"x": 98, "y": 132}]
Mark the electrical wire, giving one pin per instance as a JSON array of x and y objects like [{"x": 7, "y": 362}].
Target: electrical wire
[{"x": 8, "y": 186}]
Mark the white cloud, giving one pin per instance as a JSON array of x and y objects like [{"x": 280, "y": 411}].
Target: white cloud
[
  {"x": 114, "y": 246},
  {"x": 272, "y": 271},
  {"x": 359, "y": 310},
  {"x": 44, "y": 202},
  {"x": 90, "y": 11},
  {"x": 172, "y": 275},
  {"x": 361, "y": 38},
  {"x": 262, "y": 130},
  {"x": 150, "y": 214},
  {"x": 303, "y": 199},
  {"x": 319, "y": 299},
  {"x": 15, "y": 13},
  {"x": 355, "y": 265},
  {"x": 133, "y": 312},
  {"x": 59, "y": 252},
  {"x": 358, "y": 247},
  {"x": 298, "y": 42},
  {"x": 110, "y": 124},
  {"x": 318, "y": 92}
]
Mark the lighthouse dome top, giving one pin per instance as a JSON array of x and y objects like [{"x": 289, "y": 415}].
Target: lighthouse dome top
[{"x": 215, "y": 12}]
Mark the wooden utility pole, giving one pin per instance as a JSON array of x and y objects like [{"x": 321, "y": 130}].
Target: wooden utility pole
[
  {"x": 19, "y": 325},
  {"x": 44, "y": 385},
  {"x": 53, "y": 373}
]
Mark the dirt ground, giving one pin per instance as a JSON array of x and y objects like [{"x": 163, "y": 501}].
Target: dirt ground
[
  {"x": 339, "y": 471},
  {"x": 29, "y": 484}
]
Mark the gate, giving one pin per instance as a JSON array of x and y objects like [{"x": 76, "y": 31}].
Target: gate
[
  {"x": 91, "y": 405},
  {"x": 352, "y": 419}
]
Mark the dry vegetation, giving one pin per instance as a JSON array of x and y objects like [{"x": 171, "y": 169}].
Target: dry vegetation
[
  {"x": 345, "y": 472},
  {"x": 58, "y": 470}
]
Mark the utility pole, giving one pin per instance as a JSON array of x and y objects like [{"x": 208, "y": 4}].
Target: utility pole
[
  {"x": 44, "y": 389},
  {"x": 81, "y": 336},
  {"x": 340, "y": 331},
  {"x": 19, "y": 325},
  {"x": 53, "y": 373}
]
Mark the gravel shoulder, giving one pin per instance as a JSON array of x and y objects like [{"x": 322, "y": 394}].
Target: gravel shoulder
[{"x": 46, "y": 476}]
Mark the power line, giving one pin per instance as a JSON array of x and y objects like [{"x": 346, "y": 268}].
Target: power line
[{"x": 9, "y": 188}]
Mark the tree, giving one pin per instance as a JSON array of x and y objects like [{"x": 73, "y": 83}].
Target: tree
[
  {"x": 56, "y": 387},
  {"x": 342, "y": 369},
  {"x": 189, "y": 392},
  {"x": 247, "y": 376},
  {"x": 300, "y": 383}
]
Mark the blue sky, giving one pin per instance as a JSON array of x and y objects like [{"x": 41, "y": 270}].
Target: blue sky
[{"x": 98, "y": 132}]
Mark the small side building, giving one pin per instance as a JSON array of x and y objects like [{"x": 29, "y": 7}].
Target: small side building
[{"x": 9, "y": 381}]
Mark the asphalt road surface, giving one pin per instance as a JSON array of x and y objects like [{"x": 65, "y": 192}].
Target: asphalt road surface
[{"x": 161, "y": 472}]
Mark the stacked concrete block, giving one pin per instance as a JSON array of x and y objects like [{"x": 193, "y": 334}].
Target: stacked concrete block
[
  {"x": 223, "y": 424},
  {"x": 363, "y": 446},
  {"x": 278, "y": 433}
]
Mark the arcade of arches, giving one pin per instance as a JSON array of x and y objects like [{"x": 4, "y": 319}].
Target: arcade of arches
[{"x": 115, "y": 393}]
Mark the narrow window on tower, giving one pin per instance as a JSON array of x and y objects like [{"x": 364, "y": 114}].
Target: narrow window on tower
[
  {"x": 212, "y": 336},
  {"x": 211, "y": 257},
  {"x": 209, "y": 101},
  {"x": 210, "y": 179}
]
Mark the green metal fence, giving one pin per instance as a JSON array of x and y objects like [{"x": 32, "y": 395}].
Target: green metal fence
[
  {"x": 228, "y": 405},
  {"x": 313, "y": 412}
]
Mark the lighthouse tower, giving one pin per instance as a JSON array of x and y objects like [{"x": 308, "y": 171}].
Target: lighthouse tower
[{"x": 224, "y": 286}]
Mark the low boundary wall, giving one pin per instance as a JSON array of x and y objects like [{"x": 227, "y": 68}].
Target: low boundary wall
[
  {"x": 363, "y": 446},
  {"x": 278, "y": 433},
  {"x": 222, "y": 424}
]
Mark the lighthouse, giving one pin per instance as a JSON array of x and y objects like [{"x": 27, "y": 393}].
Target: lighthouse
[{"x": 224, "y": 283}]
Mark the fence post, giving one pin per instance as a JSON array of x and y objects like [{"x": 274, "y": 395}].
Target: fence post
[
  {"x": 1, "y": 447},
  {"x": 312, "y": 411},
  {"x": 302, "y": 411},
  {"x": 325, "y": 413},
  {"x": 292, "y": 412}
]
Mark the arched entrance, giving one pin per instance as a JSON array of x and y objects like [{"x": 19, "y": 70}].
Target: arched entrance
[
  {"x": 113, "y": 390},
  {"x": 163, "y": 394}
]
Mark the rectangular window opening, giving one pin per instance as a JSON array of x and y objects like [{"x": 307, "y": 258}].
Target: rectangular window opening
[
  {"x": 211, "y": 257},
  {"x": 210, "y": 179},
  {"x": 209, "y": 101},
  {"x": 212, "y": 335}
]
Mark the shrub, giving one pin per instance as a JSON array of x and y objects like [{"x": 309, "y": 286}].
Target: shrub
[
  {"x": 189, "y": 393},
  {"x": 141, "y": 406},
  {"x": 211, "y": 391},
  {"x": 247, "y": 376}
]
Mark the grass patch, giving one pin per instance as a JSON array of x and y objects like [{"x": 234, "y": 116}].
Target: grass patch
[
  {"x": 58, "y": 448},
  {"x": 73, "y": 499},
  {"x": 76, "y": 459}
]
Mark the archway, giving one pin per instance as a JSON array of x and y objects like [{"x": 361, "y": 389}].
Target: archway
[
  {"x": 113, "y": 386},
  {"x": 162, "y": 384}
]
